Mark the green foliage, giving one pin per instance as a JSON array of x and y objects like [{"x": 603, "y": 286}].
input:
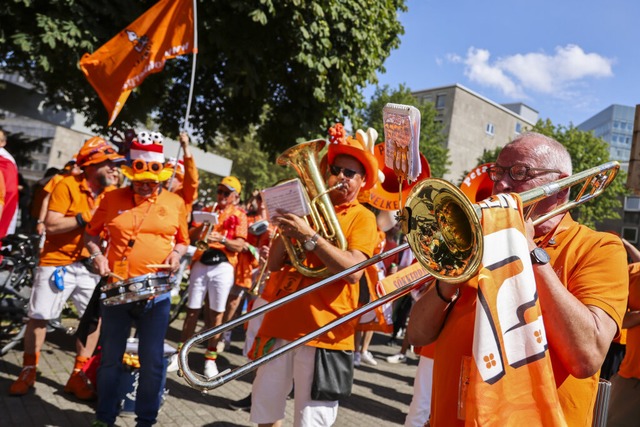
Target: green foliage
[
  {"x": 588, "y": 151},
  {"x": 290, "y": 67},
  {"x": 432, "y": 139}
]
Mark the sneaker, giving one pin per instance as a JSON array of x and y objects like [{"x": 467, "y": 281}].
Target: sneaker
[
  {"x": 173, "y": 363},
  {"x": 210, "y": 368},
  {"x": 357, "y": 357},
  {"x": 242, "y": 404},
  {"x": 367, "y": 358},
  {"x": 397, "y": 358},
  {"x": 80, "y": 385},
  {"x": 25, "y": 381}
]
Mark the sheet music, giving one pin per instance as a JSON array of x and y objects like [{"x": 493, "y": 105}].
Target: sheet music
[
  {"x": 202, "y": 216},
  {"x": 402, "y": 135},
  {"x": 288, "y": 196}
]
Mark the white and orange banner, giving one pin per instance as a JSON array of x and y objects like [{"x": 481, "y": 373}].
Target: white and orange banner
[
  {"x": 511, "y": 379},
  {"x": 163, "y": 32}
]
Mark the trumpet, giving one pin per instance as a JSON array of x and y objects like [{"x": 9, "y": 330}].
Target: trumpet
[
  {"x": 437, "y": 214},
  {"x": 208, "y": 220}
]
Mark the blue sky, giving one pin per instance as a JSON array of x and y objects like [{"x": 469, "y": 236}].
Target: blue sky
[{"x": 566, "y": 59}]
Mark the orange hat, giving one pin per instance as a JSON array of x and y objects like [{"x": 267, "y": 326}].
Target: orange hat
[
  {"x": 96, "y": 150},
  {"x": 339, "y": 143},
  {"x": 178, "y": 166},
  {"x": 147, "y": 158},
  {"x": 232, "y": 183}
]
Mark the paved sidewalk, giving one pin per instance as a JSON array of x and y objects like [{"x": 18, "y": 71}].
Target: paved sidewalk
[{"x": 381, "y": 394}]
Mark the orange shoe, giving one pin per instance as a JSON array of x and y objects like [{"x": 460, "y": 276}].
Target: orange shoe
[
  {"x": 25, "y": 381},
  {"x": 80, "y": 385}
]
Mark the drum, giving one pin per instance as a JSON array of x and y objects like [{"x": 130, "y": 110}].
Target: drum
[{"x": 135, "y": 289}]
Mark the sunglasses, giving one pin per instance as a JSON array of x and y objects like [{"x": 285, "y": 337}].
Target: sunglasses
[
  {"x": 517, "y": 172},
  {"x": 224, "y": 193},
  {"x": 140, "y": 165},
  {"x": 348, "y": 173},
  {"x": 150, "y": 184}
]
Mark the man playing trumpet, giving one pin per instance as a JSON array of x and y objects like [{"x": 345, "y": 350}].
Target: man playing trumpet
[{"x": 349, "y": 164}]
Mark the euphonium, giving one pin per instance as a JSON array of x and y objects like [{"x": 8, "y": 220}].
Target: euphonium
[{"x": 303, "y": 158}]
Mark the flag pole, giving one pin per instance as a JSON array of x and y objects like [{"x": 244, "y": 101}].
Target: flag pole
[{"x": 191, "y": 84}]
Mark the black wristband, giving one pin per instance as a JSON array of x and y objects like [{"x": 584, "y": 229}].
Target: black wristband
[
  {"x": 81, "y": 222},
  {"x": 448, "y": 301}
]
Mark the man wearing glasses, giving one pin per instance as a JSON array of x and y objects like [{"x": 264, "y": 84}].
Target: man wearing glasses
[
  {"x": 147, "y": 235},
  {"x": 353, "y": 166},
  {"x": 212, "y": 272},
  {"x": 62, "y": 272},
  {"x": 581, "y": 283}
]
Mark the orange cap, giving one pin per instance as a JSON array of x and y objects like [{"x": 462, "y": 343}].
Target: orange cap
[{"x": 96, "y": 150}]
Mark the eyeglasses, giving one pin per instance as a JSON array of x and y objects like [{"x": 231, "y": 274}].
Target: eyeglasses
[
  {"x": 224, "y": 193},
  {"x": 517, "y": 172},
  {"x": 140, "y": 165},
  {"x": 145, "y": 183},
  {"x": 348, "y": 173}
]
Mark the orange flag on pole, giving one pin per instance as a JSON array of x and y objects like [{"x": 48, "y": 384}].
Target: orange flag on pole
[{"x": 120, "y": 65}]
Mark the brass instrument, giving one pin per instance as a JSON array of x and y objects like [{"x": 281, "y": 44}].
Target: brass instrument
[
  {"x": 443, "y": 230},
  {"x": 208, "y": 220},
  {"x": 303, "y": 158}
]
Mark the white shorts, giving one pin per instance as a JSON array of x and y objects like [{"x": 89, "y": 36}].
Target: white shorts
[
  {"x": 273, "y": 384},
  {"x": 215, "y": 280},
  {"x": 47, "y": 301},
  {"x": 420, "y": 407}
]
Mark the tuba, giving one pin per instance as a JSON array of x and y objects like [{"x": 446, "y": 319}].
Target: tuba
[{"x": 303, "y": 158}]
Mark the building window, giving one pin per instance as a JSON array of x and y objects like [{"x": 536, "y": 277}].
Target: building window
[
  {"x": 632, "y": 203},
  {"x": 630, "y": 234},
  {"x": 518, "y": 128},
  {"x": 490, "y": 129},
  {"x": 440, "y": 100}
]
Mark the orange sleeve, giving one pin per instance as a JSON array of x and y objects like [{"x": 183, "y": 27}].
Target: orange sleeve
[
  {"x": 61, "y": 198},
  {"x": 96, "y": 225},
  {"x": 190, "y": 183},
  {"x": 182, "y": 235}
]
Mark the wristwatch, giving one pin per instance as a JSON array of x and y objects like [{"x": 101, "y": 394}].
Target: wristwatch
[
  {"x": 539, "y": 256},
  {"x": 311, "y": 243}
]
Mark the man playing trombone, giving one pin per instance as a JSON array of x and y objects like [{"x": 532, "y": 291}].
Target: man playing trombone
[
  {"x": 580, "y": 283},
  {"x": 350, "y": 165}
]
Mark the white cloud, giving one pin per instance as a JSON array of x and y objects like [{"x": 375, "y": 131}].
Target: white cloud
[{"x": 555, "y": 75}]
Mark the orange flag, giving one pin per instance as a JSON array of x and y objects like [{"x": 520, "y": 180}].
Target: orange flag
[
  {"x": 115, "y": 69},
  {"x": 511, "y": 380}
]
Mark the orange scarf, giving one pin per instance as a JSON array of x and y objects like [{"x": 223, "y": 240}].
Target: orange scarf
[{"x": 511, "y": 380}]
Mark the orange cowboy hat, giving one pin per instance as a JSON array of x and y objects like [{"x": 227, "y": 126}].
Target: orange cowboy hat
[{"x": 339, "y": 143}]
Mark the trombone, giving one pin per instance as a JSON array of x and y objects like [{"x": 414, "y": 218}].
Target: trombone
[{"x": 443, "y": 230}]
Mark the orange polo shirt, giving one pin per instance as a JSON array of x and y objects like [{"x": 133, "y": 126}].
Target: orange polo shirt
[
  {"x": 630, "y": 366},
  {"x": 232, "y": 223},
  {"x": 316, "y": 309},
  {"x": 593, "y": 267},
  {"x": 70, "y": 197},
  {"x": 155, "y": 225},
  {"x": 51, "y": 184}
]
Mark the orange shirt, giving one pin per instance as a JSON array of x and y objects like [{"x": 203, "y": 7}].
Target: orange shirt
[
  {"x": 630, "y": 366},
  {"x": 232, "y": 223},
  {"x": 51, "y": 184},
  {"x": 246, "y": 259},
  {"x": 70, "y": 197},
  {"x": 189, "y": 190},
  {"x": 316, "y": 309},
  {"x": 155, "y": 225},
  {"x": 593, "y": 267}
]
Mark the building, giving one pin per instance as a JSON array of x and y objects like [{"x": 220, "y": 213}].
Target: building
[
  {"x": 474, "y": 123},
  {"x": 614, "y": 125}
]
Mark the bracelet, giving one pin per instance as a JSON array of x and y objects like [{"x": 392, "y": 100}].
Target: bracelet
[
  {"x": 448, "y": 301},
  {"x": 176, "y": 252},
  {"x": 94, "y": 255},
  {"x": 223, "y": 241},
  {"x": 40, "y": 221},
  {"x": 81, "y": 222}
]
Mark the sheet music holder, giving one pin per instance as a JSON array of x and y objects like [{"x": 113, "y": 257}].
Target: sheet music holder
[
  {"x": 289, "y": 196},
  {"x": 402, "y": 139}
]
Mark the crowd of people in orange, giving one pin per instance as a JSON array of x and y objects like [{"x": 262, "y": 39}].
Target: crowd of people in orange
[{"x": 525, "y": 337}]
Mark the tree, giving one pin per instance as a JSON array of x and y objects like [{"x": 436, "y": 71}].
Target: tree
[
  {"x": 432, "y": 139},
  {"x": 586, "y": 152},
  {"x": 291, "y": 67}
]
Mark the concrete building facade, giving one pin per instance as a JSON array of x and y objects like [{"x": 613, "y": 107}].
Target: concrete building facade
[
  {"x": 474, "y": 123},
  {"x": 614, "y": 125}
]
